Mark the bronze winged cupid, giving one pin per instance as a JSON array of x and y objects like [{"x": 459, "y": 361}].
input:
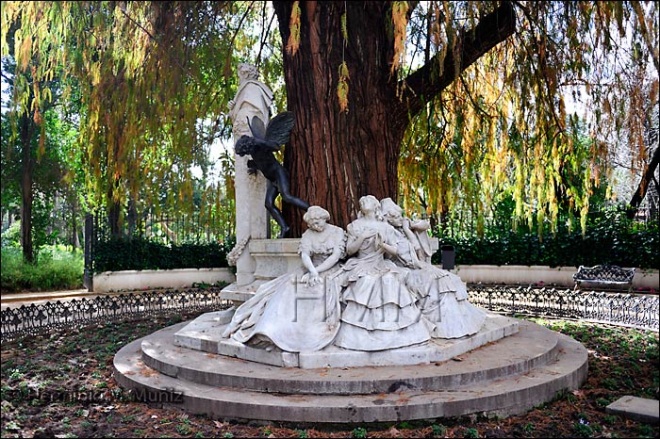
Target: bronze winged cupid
[{"x": 261, "y": 146}]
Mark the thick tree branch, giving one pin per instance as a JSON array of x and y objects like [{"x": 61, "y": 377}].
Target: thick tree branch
[
  {"x": 646, "y": 35},
  {"x": 423, "y": 84},
  {"x": 640, "y": 193}
]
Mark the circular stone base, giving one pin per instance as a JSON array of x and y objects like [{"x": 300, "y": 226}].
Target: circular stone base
[{"x": 502, "y": 378}]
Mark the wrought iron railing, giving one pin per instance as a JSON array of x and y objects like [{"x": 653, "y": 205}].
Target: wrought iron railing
[
  {"x": 33, "y": 319},
  {"x": 632, "y": 310},
  {"x": 623, "y": 309}
]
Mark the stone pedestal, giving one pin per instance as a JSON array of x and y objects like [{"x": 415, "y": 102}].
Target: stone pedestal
[
  {"x": 265, "y": 259},
  {"x": 274, "y": 257},
  {"x": 205, "y": 334},
  {"x": 251, "y": 217},
  {"x": 509, "y": 375}
]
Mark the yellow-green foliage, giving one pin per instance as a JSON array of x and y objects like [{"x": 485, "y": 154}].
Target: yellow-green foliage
[
  {"x": 146, "y": 81},
  {"x": 149, "y": 71},
  {"x": 504, "y": 127},
  {"x": 400, "y": 21},
  {"x": 294, "y": 28}
]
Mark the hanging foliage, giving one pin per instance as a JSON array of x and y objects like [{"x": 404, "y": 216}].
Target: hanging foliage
[
  {"x": 536, "y": 118},
  {"x": 342, "y": 87},
  {"x": 505, "y": 127},
  {"x": 400, "y": 20},
  {"x": 294, "y": 25},
  {"x": 147, "y": 78}
]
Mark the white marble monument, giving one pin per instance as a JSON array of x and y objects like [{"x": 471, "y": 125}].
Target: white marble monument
[
  {"x": 367, "y": 296},
  {"x": 253, "y": 98},
  {"x": 358, "y": 323}
]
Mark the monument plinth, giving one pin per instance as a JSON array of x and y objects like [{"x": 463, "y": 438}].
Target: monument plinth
[{"x": 503, "y": 378}]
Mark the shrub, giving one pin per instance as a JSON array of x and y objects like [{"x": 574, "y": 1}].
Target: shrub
[
  {"x": 12, "y": 236},
  {"x": 56, "y": 269},
  {"x": 141, "y": 254},
  {"x": 609, "y": 239}
]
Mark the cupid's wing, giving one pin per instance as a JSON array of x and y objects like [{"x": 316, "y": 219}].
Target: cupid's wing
[
  {"x": 279, "y": 128},
  {"x": 257, "y": 127}
]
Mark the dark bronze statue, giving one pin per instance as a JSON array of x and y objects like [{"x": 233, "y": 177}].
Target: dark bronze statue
[{"x": 261, "y": 146}]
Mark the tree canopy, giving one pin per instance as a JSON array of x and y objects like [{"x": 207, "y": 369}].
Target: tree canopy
[{"x": 478, "y": 100}]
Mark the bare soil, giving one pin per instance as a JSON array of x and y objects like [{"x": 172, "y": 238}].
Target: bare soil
[{"x": 61, "y": 385}]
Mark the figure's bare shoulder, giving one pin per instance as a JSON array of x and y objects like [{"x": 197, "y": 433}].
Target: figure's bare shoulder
[{"x": 336, "y": 230}]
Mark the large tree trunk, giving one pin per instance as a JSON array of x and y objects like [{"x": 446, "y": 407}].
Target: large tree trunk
[
  {"x": 647, "y": 177},
  {"x": 333, "y": 157},
  {"x": 25, "y": 137},
  {"x": 336, "y": 157}
]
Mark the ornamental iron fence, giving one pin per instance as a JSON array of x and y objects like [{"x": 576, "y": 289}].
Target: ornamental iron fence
[
  {"x": 638, "y": 311},
  {"x": 34, "y": 319},
  {"x": 623, "y": 309}
]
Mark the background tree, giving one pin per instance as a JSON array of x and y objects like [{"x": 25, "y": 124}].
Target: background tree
[
  {"x": 150, "y": 78},
  {"x": 359, "y": 76},
  {"x": 32, "y": 165},
  {"x": 648, "y": 179},
  {"x": 469, "y": 108},
  {"x": 11, "y": 197}
]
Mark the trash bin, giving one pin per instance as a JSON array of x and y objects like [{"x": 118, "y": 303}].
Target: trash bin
[{"x": 448, "y": 257}]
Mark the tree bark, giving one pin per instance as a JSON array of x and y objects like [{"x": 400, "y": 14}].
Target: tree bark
[
  {"x": 336, "y": 157},
  {"x": 27, "y": 176},
  {"x": 647, "y": 176}
]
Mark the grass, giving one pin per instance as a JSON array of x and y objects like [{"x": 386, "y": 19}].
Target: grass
[{"x": 57, "y": 268}]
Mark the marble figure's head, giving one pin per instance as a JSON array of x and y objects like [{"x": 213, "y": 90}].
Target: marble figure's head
[
  {"x": 247, "y": 71},
  {"x": 370, "y": 204},
  {"x": 392, "y": 212},
  {"x": 316, "y": 217}
]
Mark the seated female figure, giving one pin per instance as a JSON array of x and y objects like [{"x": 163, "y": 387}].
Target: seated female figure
[
  {"x": 379, "y": 311},
  {"x": 299, "y": 311},
  {"x": 441, "y": 295}
]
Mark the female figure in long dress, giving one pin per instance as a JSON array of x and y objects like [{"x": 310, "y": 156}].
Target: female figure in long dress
[
  {"x": 379, "y": 311},
  {"x": 442, "y": 296},
  {"x": 299, "y": 311}
]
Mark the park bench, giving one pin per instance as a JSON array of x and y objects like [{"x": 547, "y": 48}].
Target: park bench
[{"x": 605, "y": 275}]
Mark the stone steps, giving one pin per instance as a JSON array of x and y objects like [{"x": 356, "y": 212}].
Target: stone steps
[
  {"x": 506, "y": 377},
  {"x": 205, "y": 334},
  {"x": 540, "y": 346}
]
